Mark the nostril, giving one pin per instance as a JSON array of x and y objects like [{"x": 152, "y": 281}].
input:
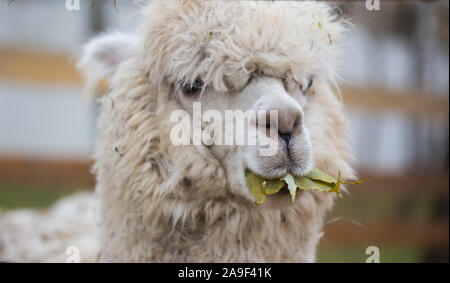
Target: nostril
[{"x": 286, "y": 138}]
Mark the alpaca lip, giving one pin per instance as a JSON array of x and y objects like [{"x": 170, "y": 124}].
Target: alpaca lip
[{"x": 271, "y": 177}]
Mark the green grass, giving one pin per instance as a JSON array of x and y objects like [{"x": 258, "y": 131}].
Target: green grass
[{"x": 16, "y": 196}]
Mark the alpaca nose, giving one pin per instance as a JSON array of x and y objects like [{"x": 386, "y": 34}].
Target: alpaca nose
[
  {"x": 289, "y": 113},
  {"x": 290, "y": 120}
]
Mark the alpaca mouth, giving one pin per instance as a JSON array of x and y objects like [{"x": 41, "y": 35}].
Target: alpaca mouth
[
  {"x": 315, "y": 179},
  {"x": 260, "y": 187},
  {"x": 284, "y": 190}
]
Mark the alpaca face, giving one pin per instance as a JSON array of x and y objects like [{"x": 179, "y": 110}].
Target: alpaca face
[
  {"x": 245, "y": 55},
  {"x": 291, "y": 150}
]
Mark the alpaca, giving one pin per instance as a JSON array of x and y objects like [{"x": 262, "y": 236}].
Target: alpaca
[
  {"x": 161, "y": 202},
  {"x": 165, "y": 203}
]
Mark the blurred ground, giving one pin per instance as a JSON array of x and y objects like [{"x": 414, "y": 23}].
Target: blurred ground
[{"x": 406, "y": 218}]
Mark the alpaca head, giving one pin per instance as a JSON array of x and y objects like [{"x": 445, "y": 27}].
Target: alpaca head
[{"x": 235, "y": 56}]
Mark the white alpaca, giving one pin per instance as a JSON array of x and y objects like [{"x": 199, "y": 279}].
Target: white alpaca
[{"x": 165, "y": 203}]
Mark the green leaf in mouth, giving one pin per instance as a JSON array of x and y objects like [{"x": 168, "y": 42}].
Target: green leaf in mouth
[
  {"x": 315, "y": 179},
  {"x": 292, "y": 187},
  {"x": 317, "y": 175},
  {"x": 272, "y": 186},
  {"x": 255, "y": 185}
]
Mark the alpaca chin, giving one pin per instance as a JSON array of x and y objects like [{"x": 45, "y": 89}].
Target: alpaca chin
[{"x": 280, "y": 200}]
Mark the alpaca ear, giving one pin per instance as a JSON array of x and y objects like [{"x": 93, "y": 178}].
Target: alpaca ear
[{"x": 100, "y": 58}]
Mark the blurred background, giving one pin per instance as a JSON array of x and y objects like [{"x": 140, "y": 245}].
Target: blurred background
[{"x": 395, "y": 73}]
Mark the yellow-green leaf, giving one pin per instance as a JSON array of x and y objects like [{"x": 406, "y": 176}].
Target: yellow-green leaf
[
  {"x": 304, "y": 183},
  {"x": 317, "y": 175},
  {"x": 337, "y": 188},
  {"x": 354, "y": 182},
  {"x": 328, "y": 34},
  {"x": 255, "y": 186},
  {"x": 272, "y": 186},
  {"x": 292, "y": 187}
]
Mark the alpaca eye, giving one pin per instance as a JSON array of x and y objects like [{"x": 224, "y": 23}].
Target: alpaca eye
[
  {"x": 305, "y": 88},
  {"x": 192, "y": 88}
]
